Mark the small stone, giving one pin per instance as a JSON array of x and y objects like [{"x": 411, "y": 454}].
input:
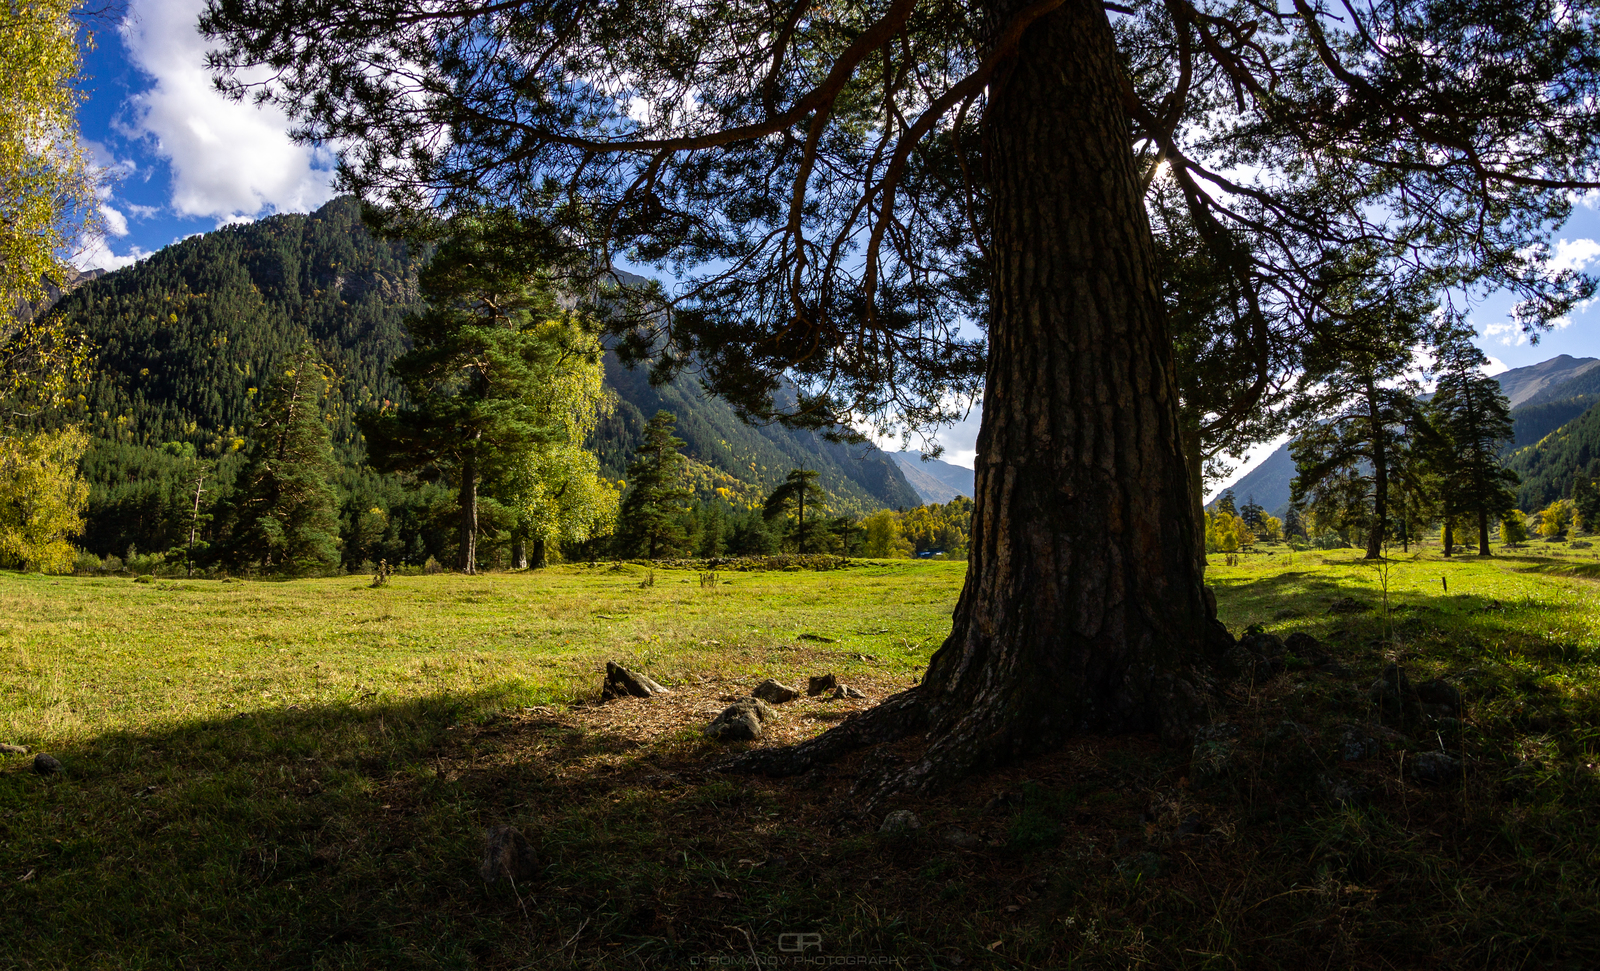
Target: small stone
[
  {"x": 1340, "y": 792},
  {"x": 1393, "y": 695},
  {"x": 1306, "y": 647},
  {"x": 1436, "y": 769},
  {"x": 1348, "y": 605},
  {"x": 13, "y": 749},
  {"x": 1266, "y": 645},
  {"x": 1356, "y": 745},
  {"x": 771, "y": 690},
  {"x": 844, "y": 691},
  {"x": 962, "y": 839},
  {"x": 46, "y": 764},
  {"x": 1441, "y": 694},
  {"x": 622, "y": 683},
  {"x": 507, "y": 854},
  {"x": 1214, "y": 747},
  {"x": 900, "y": 821},
  {"x": 741, "y": 721},
  {"x": 820, "y": 683}
]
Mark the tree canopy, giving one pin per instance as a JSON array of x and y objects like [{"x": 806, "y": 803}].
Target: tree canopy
[
  {"x": 46, "y": 183},
  {"x": 854, "y": 192},
  {"x": 829, "y": 164}
]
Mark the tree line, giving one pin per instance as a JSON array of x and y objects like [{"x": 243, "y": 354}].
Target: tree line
[{"x": 1379, "y": 461}]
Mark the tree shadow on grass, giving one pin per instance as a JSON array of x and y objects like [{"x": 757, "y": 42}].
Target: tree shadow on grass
[{"x": 349, "y": 836}]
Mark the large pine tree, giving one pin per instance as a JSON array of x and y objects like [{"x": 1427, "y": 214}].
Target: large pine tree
[
  {"x": 284, "y": 514},
  {"x": 859, "y": 182},
  {"x": 479, "y": 358}
]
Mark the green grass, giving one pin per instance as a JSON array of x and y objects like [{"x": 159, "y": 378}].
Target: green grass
[{"x": 299, "y": 775}]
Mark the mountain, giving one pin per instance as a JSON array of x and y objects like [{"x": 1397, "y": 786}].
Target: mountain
[
  {"x": 186, "y": 336},
  {"x": 1543, "y": 397},
  {"x": 54, "y": 290},
  {"x": 934, "y": 480},
  {"x": 1548, "y": 467},
  {"x": 1534, "y": 421},
  {"x": 1267, "y": 483},
  {"x": 1524, "y": 384}
]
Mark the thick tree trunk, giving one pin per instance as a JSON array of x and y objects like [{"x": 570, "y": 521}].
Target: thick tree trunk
[
  {"x": 541, "y": 555},
  {"x": 519, "y": 552},
  {"x": 1083, "y": 606},
  {"x": 468, "y": 498},
  {"x": 1380, "y": 477},
  {"x": 1483, "y": 531},
  {"x": 1449, "y": 540}
]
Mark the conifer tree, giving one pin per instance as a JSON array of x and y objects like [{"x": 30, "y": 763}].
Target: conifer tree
[
  {"x": 479, "y": 359},
  {"x": 1586, "y": 503},
  {"x": 286, "y": 511},
  {"x": 652, "y": 512},
  {"x": 1473, "y": 420},
  {"x": 1357, "y": 401},
  {"x": 846, "y": 186},
  {"x": 798, "y": 488}
]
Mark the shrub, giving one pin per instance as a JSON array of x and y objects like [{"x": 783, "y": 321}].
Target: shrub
[{"x": 88, "y": 564}]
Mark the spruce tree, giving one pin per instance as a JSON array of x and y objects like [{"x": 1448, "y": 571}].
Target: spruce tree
[
  {"x": 652, "y": 514},
  {"x": 285, "y": 512},
  {"x": 1473, "y": 420},
  {"x": 478, "y": 360}
]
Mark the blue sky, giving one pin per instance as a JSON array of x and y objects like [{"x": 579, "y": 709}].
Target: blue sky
[{"x": 186, "y": 160}]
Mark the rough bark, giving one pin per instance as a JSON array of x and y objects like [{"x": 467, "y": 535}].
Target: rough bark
[
  {"x": 519, "y": 552},
  {"x": 1083, "y": 608},
  {"x": 541, "y": 555},
  {"x": 1449, "y": 540},
  {"x": 1483, "y": 530}
]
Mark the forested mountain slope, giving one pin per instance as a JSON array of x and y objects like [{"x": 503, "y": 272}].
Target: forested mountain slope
[
  {"x": 1548, "y": 467},
  {"x": 185, "y": 337}
]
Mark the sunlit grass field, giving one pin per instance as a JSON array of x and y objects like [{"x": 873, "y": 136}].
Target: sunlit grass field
[{"x": 299, "y": 774}]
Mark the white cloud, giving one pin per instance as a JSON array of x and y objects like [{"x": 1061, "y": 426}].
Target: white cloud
[
  {"x": 1589, "y": 199},
  {"x": 1508, "y": 335},
  {"x": 1495, "y": 366},
  {"x": 140, "y": 212},
  {"x": 95, "y": 254},
  {"x": 237, "y": 219},
  {"x": 116, "y": 222},
  {"x": 1574, "y": 255},
  {"x": 227, "y": 159}
]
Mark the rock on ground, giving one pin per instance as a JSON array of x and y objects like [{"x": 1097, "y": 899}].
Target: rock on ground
[
  {"x": 741, "y": 721},
  {"x": 819, "y": 683},
  {"x": 507, "y": 854},
  {"x": 622, "y": 683},
  {"x": 46, "y": 764},
  {"x": 774, "y": 692},
  {"x": 1436, "y": 769},
  {"x": 900, "y": 821}
]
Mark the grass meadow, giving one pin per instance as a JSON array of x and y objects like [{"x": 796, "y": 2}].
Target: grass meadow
[{"x": 299, "y": 774}]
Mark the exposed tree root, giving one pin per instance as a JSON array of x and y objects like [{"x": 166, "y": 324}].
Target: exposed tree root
[{"x": 898, "y": 716}]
